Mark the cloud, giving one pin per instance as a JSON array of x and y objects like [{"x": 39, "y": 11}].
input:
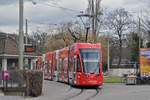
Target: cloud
[
  {"x": 38, "y": 14},
  {"x": 136, "y": 1},
  {"x": 11, "y": 2},
  {"x": 131, "y": 5},
  {"x": 9, "y": 15},
  {"x": 8, "y": 2},
  {"x": 112, "y": 3},
  {"x": 8, "y": 29},
  {"x": 46, "y": 14},
  {"x": 41, "y": 13}
]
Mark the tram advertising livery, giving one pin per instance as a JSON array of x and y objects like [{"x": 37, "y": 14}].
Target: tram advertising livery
[{"x": 79, "y": 64}]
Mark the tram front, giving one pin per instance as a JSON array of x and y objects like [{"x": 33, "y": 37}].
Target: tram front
[{"x": 91, "y": 65}]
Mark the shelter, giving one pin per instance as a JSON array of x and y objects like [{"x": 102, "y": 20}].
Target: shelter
[{"x": 9, "y": 53}]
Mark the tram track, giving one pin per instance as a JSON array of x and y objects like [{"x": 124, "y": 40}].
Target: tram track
[
  {"x": 94, "y": 93},
  {"x": 69, "y": 89},
  {"x": 73, "y": 95},
  {"x": 87, "y": 93}
]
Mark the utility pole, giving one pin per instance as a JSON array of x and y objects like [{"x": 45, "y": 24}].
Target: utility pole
[
  {"x": 97, "y": 13},
  {"x": 139, "y": 33},
  {"x": 21, "y": 35},
  {"x": 139, "y": 38},
  {"x": 108, "y": 63},
  {"x": 93, "y": 18},
  {"x": 94, "y": 10},
  {"x": 26, "y": 61},
  {"x": 26, "y": 37}
]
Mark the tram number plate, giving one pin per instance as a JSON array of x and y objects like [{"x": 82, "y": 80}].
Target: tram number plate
[{"x": 92, "y": 81}]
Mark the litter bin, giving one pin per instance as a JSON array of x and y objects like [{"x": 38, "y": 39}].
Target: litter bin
[{"x": 5, "y": 78}]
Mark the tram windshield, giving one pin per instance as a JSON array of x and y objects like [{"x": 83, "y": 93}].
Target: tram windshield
[{"x": 90, "y": 60}]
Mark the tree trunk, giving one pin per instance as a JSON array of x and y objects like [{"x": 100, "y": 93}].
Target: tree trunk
[
  {"x": 120, "y": 51},
  {"x": 120, "y": 57}
]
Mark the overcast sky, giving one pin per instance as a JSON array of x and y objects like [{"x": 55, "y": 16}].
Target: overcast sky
[{"x": 46, "y": 12}]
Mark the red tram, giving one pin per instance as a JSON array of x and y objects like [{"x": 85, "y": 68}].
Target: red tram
[{"x": 79, "y": 64}]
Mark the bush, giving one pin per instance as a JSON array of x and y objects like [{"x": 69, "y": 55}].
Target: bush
[{"x": 34, "y": 82}]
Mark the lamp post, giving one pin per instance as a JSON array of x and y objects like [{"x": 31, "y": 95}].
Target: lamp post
[{"x": 21, "y": 35}]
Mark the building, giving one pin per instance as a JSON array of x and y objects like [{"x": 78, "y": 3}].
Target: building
[{"x": 9, "y": 53}]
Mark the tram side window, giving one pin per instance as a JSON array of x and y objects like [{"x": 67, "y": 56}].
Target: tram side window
[{"x": 78, "y": 65}]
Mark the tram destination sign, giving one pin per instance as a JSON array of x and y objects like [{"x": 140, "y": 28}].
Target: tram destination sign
[{"x": 29, "y": 48}]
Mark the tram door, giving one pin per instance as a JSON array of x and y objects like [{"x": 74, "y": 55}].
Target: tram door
[
  {"x": 49, "y": 65},
  {"x": 59, "y": 70},
  {"x": 74, "y": 70},
  {"x": 65, "y": 69},
  {"x": 55, "y": 70},
  {"x": 70, "y": 69},
  {"x": 46, "y": 71}
]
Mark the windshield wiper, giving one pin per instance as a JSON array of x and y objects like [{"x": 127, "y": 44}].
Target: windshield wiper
[
  {"x": 92, "y": 73},
  {"x": 96, "y": 68}
]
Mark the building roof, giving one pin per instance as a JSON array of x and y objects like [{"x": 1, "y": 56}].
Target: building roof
[{"x": 9, "y": 44}]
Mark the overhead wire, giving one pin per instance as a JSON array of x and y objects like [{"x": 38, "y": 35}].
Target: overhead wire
[
  {"x": 64, "y": 8},
  {"x": 55, "y": 5}
]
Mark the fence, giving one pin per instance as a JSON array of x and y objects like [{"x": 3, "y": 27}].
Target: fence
[
  {"x": 29, "y": 82},
  {"x": 16, "y": 81}
]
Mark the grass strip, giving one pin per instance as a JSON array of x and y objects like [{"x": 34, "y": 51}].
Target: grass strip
[{"x": 113, "y": 80}]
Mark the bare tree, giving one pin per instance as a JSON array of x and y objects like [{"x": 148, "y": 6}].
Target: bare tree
[
  {"x": 118, "y": 21},
  {"x": 133, "y": 44},
  {"x": 39, "y": 38},
  {"x": 145, "y": 27}
]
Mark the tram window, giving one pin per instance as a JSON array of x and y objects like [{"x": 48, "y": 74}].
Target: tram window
[{"x": 78, "y": 65}]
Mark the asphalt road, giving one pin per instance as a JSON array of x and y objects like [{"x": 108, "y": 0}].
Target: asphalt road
[{"x": 60, "y": 91}]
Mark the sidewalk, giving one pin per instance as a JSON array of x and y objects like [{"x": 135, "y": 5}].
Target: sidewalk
[{"x": 1, "y": 93}]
